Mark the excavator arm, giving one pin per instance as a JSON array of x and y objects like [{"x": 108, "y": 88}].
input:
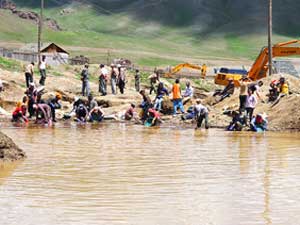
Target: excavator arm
[
  {"x": 260, "y": 67},
  {"x": 179, "y": 67}
]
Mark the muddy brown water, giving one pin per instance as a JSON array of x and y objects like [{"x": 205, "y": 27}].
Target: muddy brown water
[{"x": 127, "y": 174}]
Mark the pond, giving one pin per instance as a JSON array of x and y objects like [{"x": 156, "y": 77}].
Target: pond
[{"x": 128, "y": 174}]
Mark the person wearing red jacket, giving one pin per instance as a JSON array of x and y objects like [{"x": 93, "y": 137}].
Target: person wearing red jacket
[{"x": 17, "y": 115}]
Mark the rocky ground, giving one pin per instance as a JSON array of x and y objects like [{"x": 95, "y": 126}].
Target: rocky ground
[
  {"x": 9, "y": 151},
  {"x": 284, "y": 116}
]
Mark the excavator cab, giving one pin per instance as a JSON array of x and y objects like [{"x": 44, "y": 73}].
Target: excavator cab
[{"x": 225, "y": 74}]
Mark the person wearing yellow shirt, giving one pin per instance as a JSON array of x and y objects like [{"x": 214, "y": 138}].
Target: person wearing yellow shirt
[
  {"x": 177, "y": 98},
  {"x": 283, "y": 88}
]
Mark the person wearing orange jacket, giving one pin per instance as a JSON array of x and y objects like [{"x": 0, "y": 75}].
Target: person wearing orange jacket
[{"x": 177, "y": 98}]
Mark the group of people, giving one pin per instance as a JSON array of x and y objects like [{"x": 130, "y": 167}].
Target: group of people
[
  {"x": 116, "y": 75},
  {"x": 249, "y": 97},
  {"x": 29, "y": 72},
  {"x": 152, "y": 108},
  {"x": 33, "y": 104}
]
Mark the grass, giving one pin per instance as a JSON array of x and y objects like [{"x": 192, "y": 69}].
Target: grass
[
  {"x": 8, "y": 64},
  {"x": 144, "y": 43}
]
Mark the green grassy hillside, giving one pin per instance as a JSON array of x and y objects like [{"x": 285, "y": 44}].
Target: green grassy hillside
[{"x": 156, "y": 32}]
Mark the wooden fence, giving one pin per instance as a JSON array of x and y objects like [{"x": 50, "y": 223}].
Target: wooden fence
[{"x": 23, "y": 56}]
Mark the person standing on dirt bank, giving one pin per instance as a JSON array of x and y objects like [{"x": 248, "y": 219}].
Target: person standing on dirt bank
[
  {"x": 137, "y": 79},
  {"x": 29, "y": 74},
  {"x": 85, "y": 80},
  {"x": 113, "y": 79},
  {"x": 43, "y": 71},
  {"x": 250, "y": 104},
  {"x": 103, "y": 80},
  {"x": 121, "y": 79},
  {"x": 177, "y": 99},
  {"x": 244, "y": 82},
  {"x": 153, "y": 79}
]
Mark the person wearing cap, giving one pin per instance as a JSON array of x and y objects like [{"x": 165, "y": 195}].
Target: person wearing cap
[
  {"x": 85, "y": 81},
  {"x": 121, "y": 78},
  {"x": 137, "y": 78},
  {"x": 113, "y": 79},
  {"x": 29, "y": 74},
  {"x": 103, "y": 80},
  {"x": 177, "y": 99},
  {"x": 42, "y": 68},
  {"x": 201, "y": 112},
  {"x": 244, "y": 82},
  {"x": 54, "y": 103}
]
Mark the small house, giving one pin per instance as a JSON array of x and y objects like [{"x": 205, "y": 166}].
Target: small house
[{"x": 55, "y": 55}]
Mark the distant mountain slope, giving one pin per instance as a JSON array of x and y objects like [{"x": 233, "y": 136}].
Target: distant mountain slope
[
  {"x": 157, "y": 31},
  {"x": 203, "y": 13}
]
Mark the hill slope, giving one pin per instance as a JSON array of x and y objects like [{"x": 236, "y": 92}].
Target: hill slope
[{"x": 170, "y": 31}]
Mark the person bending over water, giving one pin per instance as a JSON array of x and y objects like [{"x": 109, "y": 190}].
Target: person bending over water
[
  {"x": 201, "y": 113},
  {"x": 18, "y": 115},
  {"x": 43, "y": 114}
]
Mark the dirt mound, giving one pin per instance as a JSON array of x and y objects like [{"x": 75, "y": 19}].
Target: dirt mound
[
  {"x": 9, "y": 151},
  {"x": 283, "y": 116}
]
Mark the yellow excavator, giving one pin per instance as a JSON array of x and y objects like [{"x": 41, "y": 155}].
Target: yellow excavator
[
  {"x": 179, "y": 67},
  {"x": 259, "y": 68}
]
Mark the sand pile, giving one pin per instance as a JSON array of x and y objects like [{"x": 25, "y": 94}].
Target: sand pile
[{"x": 283, "y": 116}]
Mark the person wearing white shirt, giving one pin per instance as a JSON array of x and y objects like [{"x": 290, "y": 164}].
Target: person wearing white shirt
[
  {"x": 188, "y": 93},
  {"x": 201, "y": 113},
  {"x": 42, "y": 68},
  {"x": 250, "y": 104}
]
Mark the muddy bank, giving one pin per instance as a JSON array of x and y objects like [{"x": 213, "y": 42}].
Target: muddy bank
[
  {"x": 9, "y": 151},
  {"x": 283, "y": 116}
]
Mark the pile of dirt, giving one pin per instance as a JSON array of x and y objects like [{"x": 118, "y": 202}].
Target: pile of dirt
[
  {"x": 9, "y": 151},
  {"x": 283, "y": 116}
]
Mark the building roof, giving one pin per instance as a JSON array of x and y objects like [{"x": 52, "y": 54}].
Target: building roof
[
  {"x": 53, "y": 46},
  {"x": 45, "y": 47}
]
